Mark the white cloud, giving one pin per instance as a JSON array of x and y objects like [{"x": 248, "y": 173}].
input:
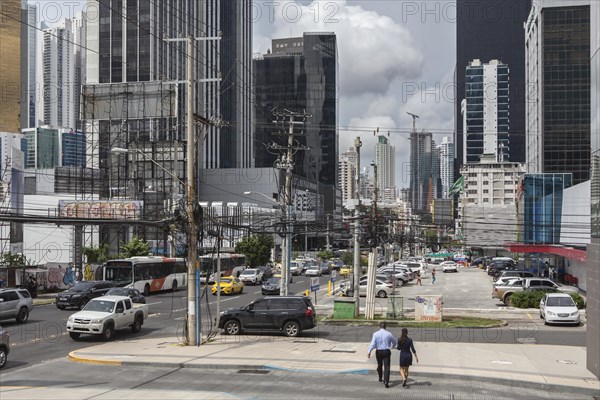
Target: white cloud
[{"x": 374, "y": 50}]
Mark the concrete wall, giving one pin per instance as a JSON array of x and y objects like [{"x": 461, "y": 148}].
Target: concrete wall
[{"x": 593, "y": 307}]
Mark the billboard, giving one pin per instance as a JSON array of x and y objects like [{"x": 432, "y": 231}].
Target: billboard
[{"x": 100, "y": 209}]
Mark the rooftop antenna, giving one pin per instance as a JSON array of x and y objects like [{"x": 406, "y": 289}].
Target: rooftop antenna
[{"x": 414, "y": 117}]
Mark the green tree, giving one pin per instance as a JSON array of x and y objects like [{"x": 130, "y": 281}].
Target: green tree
[
  {"x": 136, "y": 247},
  {"x": 348, "y": 258},
  {"x": 10, "y": 259},
  {"x": 325, "y": 254},
  {"x": 256, "y": 248},
  {"x": 97, "y": 255}
]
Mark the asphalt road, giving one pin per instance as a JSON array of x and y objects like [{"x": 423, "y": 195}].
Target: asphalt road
[{"x": 60, "y": 379}]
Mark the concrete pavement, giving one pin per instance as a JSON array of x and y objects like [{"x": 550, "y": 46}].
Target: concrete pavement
[{"x": 557, "y": 368}]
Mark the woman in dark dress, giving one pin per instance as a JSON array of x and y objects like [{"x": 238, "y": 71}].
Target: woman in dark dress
[{"x": 407, "y": 349}]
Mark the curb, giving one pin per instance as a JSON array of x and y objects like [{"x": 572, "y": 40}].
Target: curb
[
  {"x": 351, "y": 322},
  {"x": 361, "y": 371}
]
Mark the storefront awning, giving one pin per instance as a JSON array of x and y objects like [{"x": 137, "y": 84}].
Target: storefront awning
[{"x": 563, "y": 251}]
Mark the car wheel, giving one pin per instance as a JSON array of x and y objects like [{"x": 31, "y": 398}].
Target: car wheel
[
  {"x": 84, "y": 301},
  {"x": 108, "y": 332},
  {"x": 541, "y": 316},
  {"x": 233, "y": 327},
  {"x": 241, "y": 289},
  {"x": 75, "y": 335},
  {"x": 137, "y": 325},
  {"x": 291, "y": 329},
  {"x": 60, "y": 307},
  {"x": 263, "y": 292},
  {"x": 146, "y": 290},
  {"x": 508, "y": 301},
  {"x": 381, "y": 294},
  {"x": 3, "y": 356},
  {"x": 174, "y": 287},
  {"x": 23, "y": 315}
]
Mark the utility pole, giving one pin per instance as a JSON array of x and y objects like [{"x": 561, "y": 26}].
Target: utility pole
[
  {"x": 357, "y": 267},
  {"x": 194, "y": 334},
  {"x": 372, "y": 271},
  {"x": 286, "y": 162}
]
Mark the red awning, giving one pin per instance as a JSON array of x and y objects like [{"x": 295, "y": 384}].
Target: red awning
[{"x": 567, "y": 252}]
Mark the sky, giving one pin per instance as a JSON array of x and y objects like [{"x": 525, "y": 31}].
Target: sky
[{"x": 395, "y": 57}]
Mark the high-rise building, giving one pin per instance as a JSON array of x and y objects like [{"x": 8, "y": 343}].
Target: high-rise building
[
  {"x": 79, "y": 35},
  {"x": 485, "y": 111},
  {"x": 424, "y": 171},
  {"x": 43, "y": 148},
  {"x": 446, "y": 154},
  {"x": 33, "y": 89},
  {"x": 13, "y": 66},
  {"x": 385, "y": 159},
  {"x": 558, "y": 80},
  {"x": 58, "y": 99},
  {"x": 486, "y": 35},
  {"x": 347, "y": 171},
  {"x": 593, "y": 249},
  {"x": 300, "y": 75},
  {"x": 72, "y": 149}
]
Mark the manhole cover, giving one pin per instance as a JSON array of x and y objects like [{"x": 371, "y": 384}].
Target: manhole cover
[
  {"x": 253, "y": 371},
  {"x": 566, "y": 362},
  {"x": 502, "y": 362}
]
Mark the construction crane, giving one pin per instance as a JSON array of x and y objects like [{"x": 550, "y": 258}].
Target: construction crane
[{"x": 414, "y": 117}]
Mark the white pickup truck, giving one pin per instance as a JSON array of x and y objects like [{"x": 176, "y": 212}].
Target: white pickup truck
[{"x": 103, "y": 315}]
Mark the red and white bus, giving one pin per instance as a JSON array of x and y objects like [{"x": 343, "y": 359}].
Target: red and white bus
[{"x": 147, "y": 274}]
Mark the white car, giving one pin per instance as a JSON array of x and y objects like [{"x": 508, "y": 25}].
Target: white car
[
  {"x": 382, "y": 289},
  {"x": 313, "y": 270},
  {"x": 251, "y": 276},
  {"x": 449, "y": 266},
  {"x": 559, "y": 308}
]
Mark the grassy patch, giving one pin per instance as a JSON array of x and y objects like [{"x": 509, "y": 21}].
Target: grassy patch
[{"x": 447, "y": 322}]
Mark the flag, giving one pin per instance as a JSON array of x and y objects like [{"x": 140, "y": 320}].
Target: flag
[{"x": 458, "y": 186}]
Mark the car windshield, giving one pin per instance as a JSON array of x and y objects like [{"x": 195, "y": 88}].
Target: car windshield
[
  {"x": 273, "y": 281},
  {"x": 249, "y": 272},
  {"x": 100, "y": 306},
  {"x": 81, "y": 287},
  {"x": 562, "y": 301},
  {"x": 225, "y": 280}
]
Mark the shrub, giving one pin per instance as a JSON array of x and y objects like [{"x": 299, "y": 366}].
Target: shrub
[
  {"x": 578, "y": 300},
  {"x": 527, "y": 298}
]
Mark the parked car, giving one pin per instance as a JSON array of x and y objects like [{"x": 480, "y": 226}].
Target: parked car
[
  {"x": 505, "y": 293},
  {"x": 507, "y": 280},
  {"x": 4, "y": 347},
  {"x": 515, "y": 274},
  {"x": 103, "y": 315},
  {"x": 559, "y": 308},
  {"x": 82, "y": 292},
  {"x": 313, "y": 270},
  {"x": 449, "y": 266},
  {"x": 15, "y": 303},
  {"x": 383, "y": 288},
  {"x": 403, "y": 274},
  {"x": 133, "y": 294},
  {"x": 229, "y": 285},
  {"x": 496, "y": 268},
  {"x": 272, "y": 286},
  {"x": 251, "y": 276},
  {"x": 289, "y": 314}
]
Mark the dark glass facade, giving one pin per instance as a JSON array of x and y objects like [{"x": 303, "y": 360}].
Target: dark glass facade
[
  {"x": 305, "y": 81},
  {"x": 488, "y": 30},
  {"x": 73, "y": 149},
  {"x": 542, "y": 207},
  {"x": 566, "y": 91}
]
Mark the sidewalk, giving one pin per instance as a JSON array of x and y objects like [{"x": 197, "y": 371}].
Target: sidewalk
[
  {"x": 43, "y": 299},
  {"x": 544, "y": 367}
]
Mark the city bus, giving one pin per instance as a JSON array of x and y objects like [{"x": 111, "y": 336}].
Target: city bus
[
  {"x": 147, "y": 274},
  {"x": 231, "y": 265}
]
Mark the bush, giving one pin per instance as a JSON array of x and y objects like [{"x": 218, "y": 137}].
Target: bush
[{"x": 578, "y": 300}]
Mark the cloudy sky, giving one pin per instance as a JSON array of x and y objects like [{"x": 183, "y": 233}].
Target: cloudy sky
[{"x": 395, "y": 57}]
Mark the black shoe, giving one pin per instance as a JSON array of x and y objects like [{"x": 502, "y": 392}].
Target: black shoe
[
  {"x": 387, "y": 386},
  {"x": 404, "y": 384},
  {"x": 380, "y": 380}
]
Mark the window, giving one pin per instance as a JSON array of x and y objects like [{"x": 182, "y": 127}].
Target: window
[
  {"x": 260, "y": 305},
  {"x": 128, "y": 304}
]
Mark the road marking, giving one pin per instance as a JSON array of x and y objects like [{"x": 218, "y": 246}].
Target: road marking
[
  {"x": 529, "y": 315},
  {"x": 156, "y": 302}
]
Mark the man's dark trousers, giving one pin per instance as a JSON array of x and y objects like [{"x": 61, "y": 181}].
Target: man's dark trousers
[{"x": 383, "y": 360}]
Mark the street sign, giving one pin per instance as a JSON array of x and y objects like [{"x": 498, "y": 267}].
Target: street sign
[
  {"x": 314, "y": 284},
  {"x": 333, "y": 276}
]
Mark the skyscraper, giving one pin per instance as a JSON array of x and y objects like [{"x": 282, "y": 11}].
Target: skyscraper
[
  {"x": 385, "y": 159},
  {"x": 424, "y": 172},
  {"x": 58, "y": 63},
  {"x": 558, "y": 78},
  {"x": 300, "y": 75},
  {"x": 347, "y": 178},
  {"x": 33, "y": 91},
  {"x": 492, "y": 30},
  {"x": 485, "y": 111},
  {"x": 446, "y": 154},
  {"x": 79, "y": 34}
]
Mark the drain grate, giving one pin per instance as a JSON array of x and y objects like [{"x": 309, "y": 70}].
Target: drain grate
[
  {"x": 338, "y": 351},
  {"x": 253, "y": 371}
]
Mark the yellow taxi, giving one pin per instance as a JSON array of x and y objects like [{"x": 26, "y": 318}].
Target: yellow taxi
[
  {"x": 346, "y": 270},
  {"x": 229, "y": 285}
]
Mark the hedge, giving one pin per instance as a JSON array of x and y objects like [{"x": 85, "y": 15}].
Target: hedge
[{"x": 531, "y": 299}]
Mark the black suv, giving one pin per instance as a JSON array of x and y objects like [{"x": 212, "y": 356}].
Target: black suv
[
  {"x": 82, "y": 292},
  {"x": 290, "y": 314}
]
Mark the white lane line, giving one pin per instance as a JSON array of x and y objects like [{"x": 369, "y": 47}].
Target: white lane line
[{"x": 156, "y": 302}]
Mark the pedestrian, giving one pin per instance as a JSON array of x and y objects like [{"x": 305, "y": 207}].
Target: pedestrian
[
  {"x": 407, "y": 349},
  {"x": 419, "y": 278},
  {"x": 383, "y": 341},
  {"x": 433, "y": 276}
]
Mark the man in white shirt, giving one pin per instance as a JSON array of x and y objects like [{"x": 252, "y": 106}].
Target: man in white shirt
[{"x": 383, "y": 341}]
